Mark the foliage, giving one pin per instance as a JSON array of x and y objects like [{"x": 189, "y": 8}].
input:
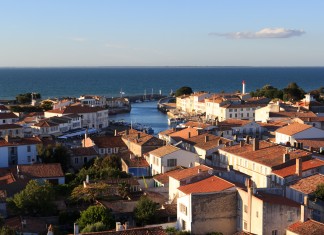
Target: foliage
[
  {"x": 89, "y": 194},
  {"x": 96, "y": 227},
  {"x": 185, "y": 90},
  {"x": 54, "y": 154},
  {"x": 145, "y": 211},
  {"x": 293, "y": 92},
  {"x": 94, "y": 214},
  {"x": 123, "y": 190},
  {"x": 5, "y": 230},
  {"x": 268, "y": 91},
  {"x": 25, "y": 109},
  {"x": 46, "y": 105},
  {"x": 26, "y": 98},
  {"x": 319, "y": 193},
  {"x": 112, "y": 161},
  {"x": 318, "y": 94},
  {"x": 36, "y": 199}
]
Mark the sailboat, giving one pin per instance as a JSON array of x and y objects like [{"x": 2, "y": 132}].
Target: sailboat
[
  {"x": 144, "y": 98},
  {"x": 152, "y": 96}
]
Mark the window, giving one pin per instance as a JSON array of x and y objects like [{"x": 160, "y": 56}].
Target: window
[
  {"x": 245, "y": 225},
  {"x": 3, "y": 121},
  {"x": 289, "y": 215},
  {"x": 257, "y": 214},
  {"x": 183, "y": 227},
  {"x": 274, "y": 232},
  {"x": 28, "y": 149},
  {"x": 230, "y": 115},
  {"x": 245, "y": 208},
  {"x": 85, "y": 160},
  {"x": 28, "y": 159},
  {"x": 171, "y": 162},
  {"x": 76, "y": 160},
  {"x": 183, "y": 208}
]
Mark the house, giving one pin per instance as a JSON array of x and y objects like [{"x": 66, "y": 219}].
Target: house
[
  {"x": 207, "y": 206},
  {"x": 258, "y": 159},
  {"x": 13, "y": 130},
  {"x": 29, "y": 225},
  {"x": 306, "y": 187},
  {"x": 105, "y": 145},
  {"x": 291, "y": 133},
  {"x": 264, "y": 213},
  {"x": 92, "y": 100},
  {"x": 305, "y": 228},
  {"x": 46, "y": 128},
  {"x": 204, "y": 145},
  {"x": 185, "y": 133},
  {"x": 82, "y": 155},
  {"x": 168, "y": 157},
  {"x": 317, "y": 122},
  {"x": 162, "y": 180},
  {"x": 186, "y": 176},
  {"x": 139, "y": 142},
  {"x": 51, "y": 172},
  {"x": 16, "y": 150},
  {"x": 8, "y": 118},
  {"x": 91, "y": 117},
  {"x": 136, "y": 166}
]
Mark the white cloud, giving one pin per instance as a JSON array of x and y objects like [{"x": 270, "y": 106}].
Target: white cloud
[
  {"x": 263, "y": 33},
  {"x": 116, "y": 46}
]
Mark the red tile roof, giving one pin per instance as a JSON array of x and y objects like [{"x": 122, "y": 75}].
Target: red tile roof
[
  {"x": 167, "y": 132},
  {"x": 2, "y": 107},
  {"x": 309, "y": 184},
  {"x": 293, "y": 128},
  {"x": 10, "y": 126},
  {"x": 19, "y": 141},
  {"x": 314, "y": 143},
  {"x": 211, "y": 184},
  {"x": 186, "y": 173},
  {"x": 7, "y": 115},
  {"x": 184, "y": 134},
  {"x": 276, "y": 199},
  {"x": 196, "y": 124},
  {"x": 132, "y": 231},
  {"x": 306, "y": 165},
  {"x": 213, "y": 141},
  {"x": 45, "y": 123},
  {"x": 108, "y": 141},
  {"x": 269, "y": 154},
  {"x": 310, "y": 227},
  {"x": 142, "y": 138},
  {"x": 84, "y": 151},
  {"x": 164, "y": 150},
  {"x": 77, "y": 109},
  {"x": 164, "y": 178},
  {"x": 134, "y": 161},
  {"x": 41, "y": 170}
]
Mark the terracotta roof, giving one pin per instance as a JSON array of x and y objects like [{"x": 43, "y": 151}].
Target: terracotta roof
[
  {"x": 183, "y": 174},
  {"x": 76, "y": 109},
  {"x": 108, "y": 141},
  {"x": 246, "y": 105},
  {"x": 7, "y": 115},
  {"x": 293, "y": 128},
  {"x": 41, "y": 170},
  {"x": 310, "y": 227},
  {"x": 132, "y": 231},
  {"x": 211, "y": 184},
  {"x": 142, "y": 138},
  {"x": 234, "y": 122},
  {"x": 213, "y": 141},
  {"x": 292, "y": 114},
  {"x": 6, "y": 177},
  {"x": 312, "y": 119},
  {"x": 19, "y": 141},
  {"x": 2, "y": 107},
  {"x": 314, "y": 143},
  {"x": 134, "y": 161},
  {"x": 196, "y": 124},
  {"x": 164, "y": 178},
  {"x": 184, "y": 133},
  {"x": 306, "y": 165},
  {"x": 10, "y": 126},
  {"x": 45, "y": 123},
  {"x": 84, "y": 151},
  {"x": 167, "y": 132},
  {"x": 309, "y": 184},
  {"x": 276, "y": 199},
  {"x": 164, "y": 150},
  {"x": 269, "y": 154}
]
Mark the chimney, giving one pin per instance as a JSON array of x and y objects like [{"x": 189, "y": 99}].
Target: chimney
[
  {"x": 206, "y": 138},
  {"x": 115, "y": 132},
  {"x": 286, "y": 157},
  {"x": 126, "y": 225},
  {"x": 138, "y": 135},
  {"x": 241, "y": 143},
  {"x": 189, "y": 135},
  {"x": 304, "y": 213},
  {"x": 87, "y": 179},
  {"x": 127, "y": 132},
  {"x": 76, "y": 229},
  {"x": 248, "y": 139},
  {"x": 255, "y": 144},
  {"x": 118, "y": 226},
  {"x": 299, "y": 167},
  {"x": 199, "y": 170},
  {"x": 295, "y": 145}
]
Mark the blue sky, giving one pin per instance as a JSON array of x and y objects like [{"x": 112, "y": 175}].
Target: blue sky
[{"x": 42, "y": 33}]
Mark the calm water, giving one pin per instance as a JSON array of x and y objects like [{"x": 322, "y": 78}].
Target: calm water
[
  {"x": 145, "y": 113},
  {"x": 59, "y": 82}
]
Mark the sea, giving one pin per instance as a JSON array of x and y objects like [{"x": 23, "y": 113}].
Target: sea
[{"x": 114, "y": 81}]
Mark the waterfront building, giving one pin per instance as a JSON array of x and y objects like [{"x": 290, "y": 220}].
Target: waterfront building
[
  {"x": 93, "y": 100},
  {"x": 12, "y": 130},
  {"x": 105, "y": 145}
]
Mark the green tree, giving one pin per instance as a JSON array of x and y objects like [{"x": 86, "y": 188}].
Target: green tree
[
  {"x": 96, "y": 227},
  {"x": 123, "y": 190},
  {"x": 145, "y": 211},
  {"x": 89, "y": 194},
  {"x": 293, "y": 92},
  {"x": 185, "y": 90},
  {"x": 94, "y": 214},
  {"x": 5, "y": 230},
  {"x": 54, "y": 154},
  {"x": 36, "y": 199},
  {"x": 268, "y": 91},
  {"x": 112, "y": 161},
  {"x": 319, "y": 193},
  {"x": 47, "y": 105}
]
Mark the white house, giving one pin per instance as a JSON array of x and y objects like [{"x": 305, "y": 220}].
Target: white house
[
  {"x": 293, "y": 132},
  {"x": 17, "y": 150},
  {"x": 168, "y": 157}
]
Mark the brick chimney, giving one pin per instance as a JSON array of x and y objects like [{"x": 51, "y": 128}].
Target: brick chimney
[
  {"x": 189, "y": 134},
  {"x": 286, "y": 157},
  {"x": 255, "y": 144},
  {"x": 138, "y": 135},
  {"x": 299, "y": 167},
  {"x": 206, "y": 138},
  {"x": 241, "y": 143}
]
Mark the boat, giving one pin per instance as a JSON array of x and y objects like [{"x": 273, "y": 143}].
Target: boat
[{"x": 176, "y": 121}]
